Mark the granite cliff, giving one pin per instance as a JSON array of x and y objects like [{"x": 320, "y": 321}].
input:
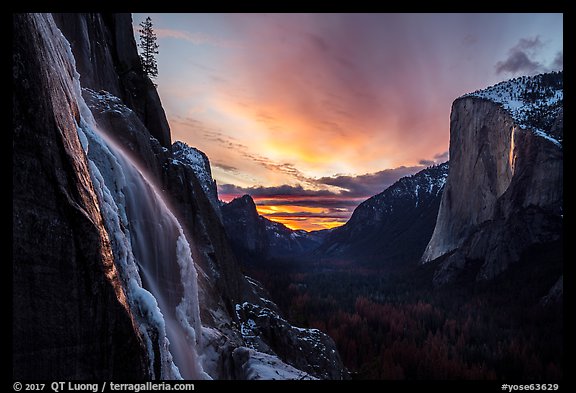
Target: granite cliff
[{"x": 504, "y": 189}]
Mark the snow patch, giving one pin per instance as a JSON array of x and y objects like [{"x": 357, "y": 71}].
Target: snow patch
[
  {"x": 262, "y": 366},
  {"x": 529, "y": 100},
  {"x": 200, "y": 165}
]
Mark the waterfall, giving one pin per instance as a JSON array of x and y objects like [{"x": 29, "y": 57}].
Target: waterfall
[
  {"x": 151, "y": 246},
  {"x": 151, "y": 251}
]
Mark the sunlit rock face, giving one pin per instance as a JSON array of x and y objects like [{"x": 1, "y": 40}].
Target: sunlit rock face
[
  {"x": 70, "y": 319},
  {"x": 504, "y": 189}
]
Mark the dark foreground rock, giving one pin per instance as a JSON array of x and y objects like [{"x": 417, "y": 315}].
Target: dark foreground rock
[{"x": 69, "y": 320}]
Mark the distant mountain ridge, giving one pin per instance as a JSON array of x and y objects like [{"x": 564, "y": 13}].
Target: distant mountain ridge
[
  {"x": 256, "y": 237},
  {"x": 393, "y": 227},
  {"x": 388, "y": 229}
]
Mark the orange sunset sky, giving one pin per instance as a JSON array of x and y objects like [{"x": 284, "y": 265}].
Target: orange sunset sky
[{"x": 313, "y": 113}]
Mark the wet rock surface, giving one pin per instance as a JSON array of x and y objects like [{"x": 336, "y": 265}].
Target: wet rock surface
[{"x": 69, "y": 321}]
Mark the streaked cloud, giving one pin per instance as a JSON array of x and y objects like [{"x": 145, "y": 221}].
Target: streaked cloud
[
  {"x": 196, "y": 38},
  {"x": 333, "y": 106},
  {"x": 518, "y": 62},
  {"x": 342, "y": 186},
  {"x": 287, "y": 203},
  {"x": 225, "y": 167},
  {"x": 369, "y": 184},
  {"x": 441, "y": 157},
  {"x": 269, "y": 192}
]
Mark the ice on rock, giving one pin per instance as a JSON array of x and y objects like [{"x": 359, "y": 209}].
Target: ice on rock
[{"x": 122, "y": 192}]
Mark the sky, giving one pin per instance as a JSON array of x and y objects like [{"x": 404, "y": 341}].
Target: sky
[{"x": 312, "y": 114}]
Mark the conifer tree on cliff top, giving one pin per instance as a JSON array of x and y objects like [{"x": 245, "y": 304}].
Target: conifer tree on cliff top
[{"x": 149, "y": 49}]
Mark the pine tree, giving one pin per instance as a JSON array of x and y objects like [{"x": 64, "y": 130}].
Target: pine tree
[{"x": 149, "y": 49}]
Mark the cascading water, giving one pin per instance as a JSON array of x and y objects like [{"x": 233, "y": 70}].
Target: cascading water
[
  {"x": 151, "y": 237},
  {"x": 150, "y": 249}
]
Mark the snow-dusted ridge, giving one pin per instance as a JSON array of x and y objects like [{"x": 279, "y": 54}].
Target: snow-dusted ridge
[
  {"x": 196, "y": 160},
  {"x": 426, "y": 183},
  {"x": 200, "y": 165},
  {"x": 533, "y": 101}
]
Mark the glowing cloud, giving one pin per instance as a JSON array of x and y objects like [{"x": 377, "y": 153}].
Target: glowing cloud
[{"x": 338, "y": 104}]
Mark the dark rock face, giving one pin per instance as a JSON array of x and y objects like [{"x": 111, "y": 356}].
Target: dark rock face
[
  {"x": 306, "y": 349},
  {"x": 200, "y": 165},
  {"x": 256, "y": 237},
  {"x": 69, "y": 315},
  {"x": 555, "y": 295},
  {"x": 123, "y": 126},
  {"x": 107, "y": 59},
  {"x": 503, "y": 194},
  {"x": 243, "y": 225},
  {"x": 390, "y": 229}
]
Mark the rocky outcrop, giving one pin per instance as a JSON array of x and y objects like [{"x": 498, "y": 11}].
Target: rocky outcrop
[
  {"x": 107, "y": 59},
  {"x": 390, "y": 229},
  {"x": 200, "y": 165},
  {"x": 69, "y": 314},
  {"x": 309, "y": 350},
  {"x": 124, "y": 127},
  {"x": 504, "y": 191},
  {"x": 256, "y": 366},
  {"x": 243, "y": 225},
  {"x": 256, "y": 238}
]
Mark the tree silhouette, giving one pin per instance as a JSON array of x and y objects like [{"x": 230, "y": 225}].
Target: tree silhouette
[{"x": 149, "y": 49}]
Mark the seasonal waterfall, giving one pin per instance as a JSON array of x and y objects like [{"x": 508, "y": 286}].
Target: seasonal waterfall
[{"x": 150, "y": 249}]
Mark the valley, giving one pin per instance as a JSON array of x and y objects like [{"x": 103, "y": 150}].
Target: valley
[{"x": 128, "y": 264}]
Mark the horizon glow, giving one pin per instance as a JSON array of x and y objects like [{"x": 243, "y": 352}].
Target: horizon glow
[{"x": 296, "y": 106}]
